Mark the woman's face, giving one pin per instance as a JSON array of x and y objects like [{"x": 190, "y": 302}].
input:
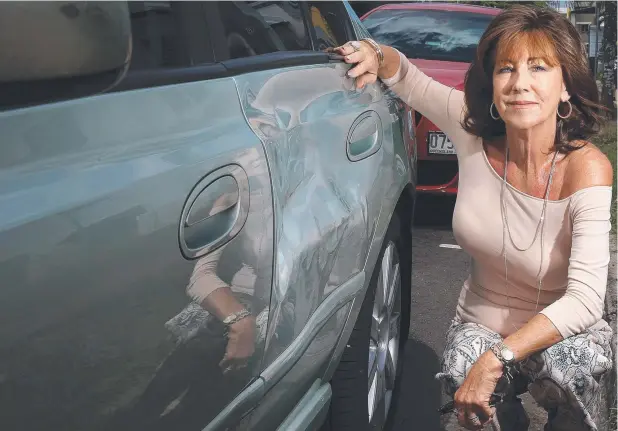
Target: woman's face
[{"x": 527, "y": 88}]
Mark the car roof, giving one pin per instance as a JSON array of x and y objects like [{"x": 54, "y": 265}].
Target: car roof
[{"x": 450, "y": 7}]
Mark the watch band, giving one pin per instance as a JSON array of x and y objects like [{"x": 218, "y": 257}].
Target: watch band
[
  {"x": 236, "y": 317},
  {"x": 503, "y": 353}
]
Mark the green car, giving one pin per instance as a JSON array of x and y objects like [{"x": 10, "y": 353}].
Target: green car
[{"x": 203, "y": 225}]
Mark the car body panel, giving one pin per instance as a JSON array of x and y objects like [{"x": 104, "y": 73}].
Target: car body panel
[
  {"x": 354, "y": 216},
  {"x": 122, "y": 212},
  {"x": 437, "y": 173},
  {"x": 324, "y": 204},
  {"x": 94, "y": 285}
]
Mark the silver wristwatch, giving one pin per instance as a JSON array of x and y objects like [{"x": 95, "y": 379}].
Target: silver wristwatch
[{"x": 503, "y": 353}]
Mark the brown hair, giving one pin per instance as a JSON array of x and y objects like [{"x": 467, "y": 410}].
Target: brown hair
[{"x": 550, "y": 36}]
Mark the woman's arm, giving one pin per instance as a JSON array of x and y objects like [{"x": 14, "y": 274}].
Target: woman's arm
[
  {"x": 474, "y": 394},
  {"x": 215, "y": 296},
  {"x": 442, "y": 105},
  {"x": 582, "y": 304},
  {"x": 580, "y": 307},
  {"x": 392, "y": 63},
  {"x": 535, "y": 336}
]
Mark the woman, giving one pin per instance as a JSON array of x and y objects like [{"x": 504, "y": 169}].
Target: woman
[{"x": 532, "y": 211}]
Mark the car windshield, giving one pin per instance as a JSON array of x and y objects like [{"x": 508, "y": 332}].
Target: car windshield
[{"x": 429, "y": 34}]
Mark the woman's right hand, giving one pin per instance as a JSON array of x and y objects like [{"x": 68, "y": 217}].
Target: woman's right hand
[{"x": 365, "y": 58}]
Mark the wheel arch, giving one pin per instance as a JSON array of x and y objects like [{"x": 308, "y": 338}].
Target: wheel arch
[{"x": 403, "y": 212}]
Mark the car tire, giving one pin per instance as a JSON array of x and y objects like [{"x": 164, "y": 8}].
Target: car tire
[{"x": 351, "y": 382}]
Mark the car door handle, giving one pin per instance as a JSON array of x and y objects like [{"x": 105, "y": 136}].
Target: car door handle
[
  {"x": 365, "y": 136},
  {"x": 215, "y": 211},
  {"x": 219, "y": 196}
]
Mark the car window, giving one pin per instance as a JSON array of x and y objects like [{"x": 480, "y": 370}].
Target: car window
[
  {"x": 429, "y": 34},
  {"x": 254, "y": 28},
  {"x": 165, "y": 35},
  {"x": 168, "y": 34},
  {"x": 330, "y": 22}
]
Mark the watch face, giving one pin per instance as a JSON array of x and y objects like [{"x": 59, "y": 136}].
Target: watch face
[{"x": 508, "y": 355}]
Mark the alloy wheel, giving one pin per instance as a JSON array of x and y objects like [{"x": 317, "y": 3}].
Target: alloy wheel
[{"x": 384, "y": 338}]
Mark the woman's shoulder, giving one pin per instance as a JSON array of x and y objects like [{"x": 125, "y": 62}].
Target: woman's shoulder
[{"x": 587, "y": 167}]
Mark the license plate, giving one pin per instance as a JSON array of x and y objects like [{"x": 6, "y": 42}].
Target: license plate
[{"x": 439, "y": 143}]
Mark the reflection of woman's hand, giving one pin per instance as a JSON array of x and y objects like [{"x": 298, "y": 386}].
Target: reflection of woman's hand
[
  {"x": 240, "y": 344},
  {"x": 472, "y": 397}
]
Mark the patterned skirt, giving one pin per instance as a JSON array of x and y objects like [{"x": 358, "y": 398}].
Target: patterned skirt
[{"x": 563, "y": 379}]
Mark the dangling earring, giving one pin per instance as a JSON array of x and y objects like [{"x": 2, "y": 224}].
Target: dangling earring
[
  {"x": 567, "y": 115},
  {"x": 491, "y": 111}
]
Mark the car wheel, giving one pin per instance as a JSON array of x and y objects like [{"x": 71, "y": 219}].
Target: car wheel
[{"x": 365, "y": 386}]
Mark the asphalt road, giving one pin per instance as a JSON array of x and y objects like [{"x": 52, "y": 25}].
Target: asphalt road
[{"x": 438, "y": 273}]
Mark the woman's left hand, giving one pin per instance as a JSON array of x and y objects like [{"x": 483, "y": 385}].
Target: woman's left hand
[{"x": 472, "y": 397}]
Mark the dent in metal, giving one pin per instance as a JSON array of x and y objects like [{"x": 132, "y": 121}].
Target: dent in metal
[
  {"x": 325, "y": 206},
  {"x": 284, "y": 396},
  {"x": 334, "y": 304},
  {"x": 340, "y": 297}
]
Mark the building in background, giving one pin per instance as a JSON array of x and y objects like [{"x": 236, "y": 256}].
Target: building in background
[{"x": 585, "y": 17}]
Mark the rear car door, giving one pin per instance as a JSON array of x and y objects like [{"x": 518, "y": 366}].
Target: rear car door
[
  {"x": 331, "y": 151},
  {"x": 120, "y": 216}
]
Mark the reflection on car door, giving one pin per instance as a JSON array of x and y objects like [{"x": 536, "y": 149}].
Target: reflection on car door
[
  {"x": 327, "y": 146},
  {"x": 121, "y": 214}
]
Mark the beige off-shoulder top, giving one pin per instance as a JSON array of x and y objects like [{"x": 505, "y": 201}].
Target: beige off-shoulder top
[{"x": 576, "y": 232}]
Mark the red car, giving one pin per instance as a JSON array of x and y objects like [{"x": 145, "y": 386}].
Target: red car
[{"x": 441, "y": 40}]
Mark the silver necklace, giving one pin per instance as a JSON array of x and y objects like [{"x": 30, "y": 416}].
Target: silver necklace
[{"x": 540, "y": 228}]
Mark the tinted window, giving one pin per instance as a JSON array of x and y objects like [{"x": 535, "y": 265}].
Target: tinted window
[
  {"x": 167, "y": 37},
  {"x": 330, "y": 22},
  {"x": 429, "y": 34},
  {"x": 168, "y": 34},
  {"x": 254, "y": 28}
]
